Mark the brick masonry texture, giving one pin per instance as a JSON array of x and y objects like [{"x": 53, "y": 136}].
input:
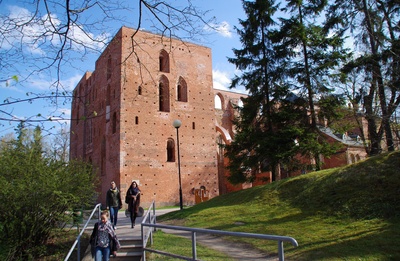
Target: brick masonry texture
[{"x": 120, "y": 127}]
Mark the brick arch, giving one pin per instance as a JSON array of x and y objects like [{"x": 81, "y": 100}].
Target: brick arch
[
  {"x": 221, "y": 98},
  {"x": 182, "y": 90},
  {"x": 170, "y": 150},
  {"x": 224, "y": 134},
  {"x": 164, "y": 61},
  {"x": 163, "y": 94}
]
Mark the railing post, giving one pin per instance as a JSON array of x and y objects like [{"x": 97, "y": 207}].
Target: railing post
[
  {"x": 280, "y": 251},
  {"x": 79, "y": 248},
  {"x": 194, "y": 250},
  {"x": 154, "y": 215}
]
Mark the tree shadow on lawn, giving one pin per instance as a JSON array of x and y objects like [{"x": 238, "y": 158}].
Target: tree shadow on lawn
[
  {"x": 367, "y": 245},
  {"x": 376, "y": 242}
]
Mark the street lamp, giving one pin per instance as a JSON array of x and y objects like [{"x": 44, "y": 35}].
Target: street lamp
[{"x": 177, "y": 124}]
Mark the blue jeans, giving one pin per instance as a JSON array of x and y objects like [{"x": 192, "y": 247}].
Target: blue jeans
[
  {"x": 102, "y": 254},
  {"x": 114, "y": 215}
]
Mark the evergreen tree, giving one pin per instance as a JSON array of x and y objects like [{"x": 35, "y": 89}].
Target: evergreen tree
[
  {"x": 297, "y": 54},
  {"x": 265, "y": 130},
  {"x": 313, "y": 52}
]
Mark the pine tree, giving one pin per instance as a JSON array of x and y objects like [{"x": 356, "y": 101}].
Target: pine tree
[
  {"x": 265, "y": 130},
  {"x": 293, "y": 54},
  {"x": 313, "y": 52}
]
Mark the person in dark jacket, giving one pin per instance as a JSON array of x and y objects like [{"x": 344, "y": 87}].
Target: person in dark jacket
[
  {"x": 133, "y": 201},
  {"x": 113, "y": 203},
  {"x": 103, "y": 239}
]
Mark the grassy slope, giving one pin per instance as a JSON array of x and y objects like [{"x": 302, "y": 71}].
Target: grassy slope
[{"x": 349, "y": 213}]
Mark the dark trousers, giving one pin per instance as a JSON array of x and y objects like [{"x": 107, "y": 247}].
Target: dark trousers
[{"x": 133, "y": 216}]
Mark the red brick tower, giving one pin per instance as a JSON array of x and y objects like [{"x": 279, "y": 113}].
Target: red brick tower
[{"x": 122, "y": 116}]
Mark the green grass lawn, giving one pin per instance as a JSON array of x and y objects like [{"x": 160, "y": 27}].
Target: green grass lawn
[
  {"x": 349, "y": 213},
  {"x": 181, "y": 246}
]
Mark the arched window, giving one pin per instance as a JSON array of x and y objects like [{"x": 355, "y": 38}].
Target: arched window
[
  {"x": 218, "y": 102},
  {"x": 182, "y": 90},
  {"x": 170, "y": 150},
  {"x": 352, "y": 158},
  {"x": 163, "y": 89},
  {"x": 108, "y": 99},
  {"x": 109, "y": 67},
  {"x": 164, "y": 61},
  {"x": 240, "y": 103},
  {"x": 108, "y": 95}
]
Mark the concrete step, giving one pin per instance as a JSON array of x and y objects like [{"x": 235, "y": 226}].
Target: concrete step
[
  {"x": 134, "y": 256},
  {"x": 131, "y": 249}
]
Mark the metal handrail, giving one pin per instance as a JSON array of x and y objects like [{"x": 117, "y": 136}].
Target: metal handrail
[
  {"x": 78, "y": 239},
  {"x": 149, "y": 217},
  {"x": 153, "y": 225}
]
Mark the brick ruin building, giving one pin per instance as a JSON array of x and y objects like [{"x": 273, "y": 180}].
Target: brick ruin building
[{"x": 122, "y": 115}]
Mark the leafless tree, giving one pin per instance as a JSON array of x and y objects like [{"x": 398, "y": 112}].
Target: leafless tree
[{"x": 51, "y": 38}]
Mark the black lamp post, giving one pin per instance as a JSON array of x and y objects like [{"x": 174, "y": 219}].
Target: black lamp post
[{"x": 177, "y": 124}]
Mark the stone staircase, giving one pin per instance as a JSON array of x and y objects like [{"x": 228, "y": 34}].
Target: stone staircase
[
  {"x": 131, "y": 249},
  {"x": 129, "y": 238}
]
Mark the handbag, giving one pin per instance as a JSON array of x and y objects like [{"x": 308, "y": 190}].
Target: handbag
[{"x": 139, "y": 213}]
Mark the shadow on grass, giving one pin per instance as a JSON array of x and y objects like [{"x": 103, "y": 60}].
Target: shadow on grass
[{"x": 365, "y": 245}]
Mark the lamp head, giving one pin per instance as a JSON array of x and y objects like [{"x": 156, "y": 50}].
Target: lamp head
[{"x": 177, "y": 123}]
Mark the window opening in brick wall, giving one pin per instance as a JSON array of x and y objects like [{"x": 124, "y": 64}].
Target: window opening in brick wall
[
  {"x": 218, "y": 102},
  {"x": 193, "y": 125},
  {"x": 140, "y": 90},
  {"x": 108, "y": 95},
  {"x": 136, "y": 120},
  {"x": 114, "y": 123},
  {"x": 182, "y": 90},
  {"x": 108, "y": 98},
  {"x": 163, "y": 94},
  {"x": 164, "y": 61},
  {"x": 170, "y": 150}
]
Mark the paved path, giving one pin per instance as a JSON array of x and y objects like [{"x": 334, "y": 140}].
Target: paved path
[{"x": 237, "y": 251}]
